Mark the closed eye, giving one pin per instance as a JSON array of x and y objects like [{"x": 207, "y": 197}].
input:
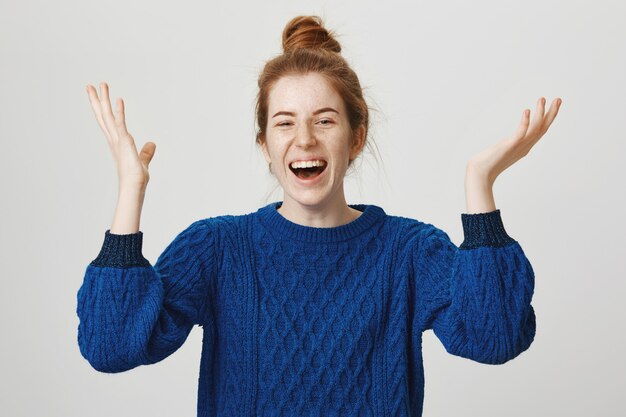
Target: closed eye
[{"x": 324, "y": 122}]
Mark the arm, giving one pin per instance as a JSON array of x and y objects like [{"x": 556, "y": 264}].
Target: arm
[
  {"x": 132, "y": 313},
  {"x": 477, "y": 297}
]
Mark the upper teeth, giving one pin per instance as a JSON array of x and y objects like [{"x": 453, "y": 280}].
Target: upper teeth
[{"x": 307, "y": 164}]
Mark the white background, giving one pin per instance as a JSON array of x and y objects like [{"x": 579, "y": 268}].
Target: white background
[{"x": 447, "y": 78}]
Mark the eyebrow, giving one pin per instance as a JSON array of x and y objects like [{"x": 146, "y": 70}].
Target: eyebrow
[{"x": 316, "y": 112}]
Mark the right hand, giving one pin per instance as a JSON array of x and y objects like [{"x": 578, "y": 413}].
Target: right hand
[{"x": 132, "y": 167}]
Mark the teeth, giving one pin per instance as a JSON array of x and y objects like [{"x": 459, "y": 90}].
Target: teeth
[{"x": 307, "y": 164}]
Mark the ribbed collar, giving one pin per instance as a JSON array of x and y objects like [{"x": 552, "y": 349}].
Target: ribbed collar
[{"x": 277, "y": 223}]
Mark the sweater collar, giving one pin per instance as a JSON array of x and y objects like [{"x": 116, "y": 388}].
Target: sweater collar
[{"x": 283, "y": 227}]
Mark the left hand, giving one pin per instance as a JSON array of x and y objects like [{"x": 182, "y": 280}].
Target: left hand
[{"x": 490, "y": 163}]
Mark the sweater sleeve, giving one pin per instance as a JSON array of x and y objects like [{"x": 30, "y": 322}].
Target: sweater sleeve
[
  {"x": 132, "y": 313},
  {"x": 477, "y": 297}
]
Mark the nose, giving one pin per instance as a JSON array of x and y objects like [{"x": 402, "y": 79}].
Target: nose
[{"x": 304, "y": 136}]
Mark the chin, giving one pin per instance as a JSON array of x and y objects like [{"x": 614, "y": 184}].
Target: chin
[{"x": 309, "y": 200}]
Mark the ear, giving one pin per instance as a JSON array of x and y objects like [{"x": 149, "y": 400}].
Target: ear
[
  {"x": 358, "y": 143},
  {"x": 266, "y": 153}
]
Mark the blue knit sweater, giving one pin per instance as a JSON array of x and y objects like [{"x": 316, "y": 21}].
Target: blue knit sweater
[{"x": 306, "y": 321}]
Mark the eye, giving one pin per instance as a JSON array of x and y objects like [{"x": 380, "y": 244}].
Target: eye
[
  {"x": 326, "y": 122},
  {"x": 284, "y": 123}
]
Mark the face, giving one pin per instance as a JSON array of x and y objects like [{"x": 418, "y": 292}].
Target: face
[{"x": 307, "y": 121}]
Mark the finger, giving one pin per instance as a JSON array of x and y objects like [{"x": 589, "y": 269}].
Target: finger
[
  {"x": 522, "y": 128},
  {"x": 554, "y": 110},
  {"x": 120, "y": 118},
  {"x": 537, "y": 120},
  {"x": 95, "y": 107},
  {"x": 120, "y": 126},
  {"x": 147, "y": 153},
  {"x": 107, "y": 113}
]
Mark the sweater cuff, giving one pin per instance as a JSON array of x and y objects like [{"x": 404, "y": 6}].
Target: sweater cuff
[
  {"x": 121, "y": 251},
  {"x": 484, "y": 229}
]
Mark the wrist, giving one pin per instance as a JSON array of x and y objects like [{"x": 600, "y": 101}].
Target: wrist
[
  {"x": 131, "y": 191},
  {"x": 478, "y": 177},
  {"x": 478, "y": 193}
]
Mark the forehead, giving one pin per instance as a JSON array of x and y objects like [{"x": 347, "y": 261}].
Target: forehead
[{"x": 303, "y": 92}]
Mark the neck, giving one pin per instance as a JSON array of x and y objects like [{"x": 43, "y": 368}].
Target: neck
[{"x": 334, "y": 214}]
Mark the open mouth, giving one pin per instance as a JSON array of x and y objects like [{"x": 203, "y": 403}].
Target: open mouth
[{"x": 308, "y": 173}]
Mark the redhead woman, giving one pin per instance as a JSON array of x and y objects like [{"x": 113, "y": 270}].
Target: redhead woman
[{"x": 309, "y": 306}]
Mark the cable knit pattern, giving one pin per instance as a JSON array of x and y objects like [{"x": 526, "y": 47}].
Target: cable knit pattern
[{"x": 309, "y": 321}]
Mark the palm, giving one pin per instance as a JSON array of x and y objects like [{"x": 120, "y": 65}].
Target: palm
[
  {"x": 492, "y": 161},
  {"x": 132, "y": 166}
]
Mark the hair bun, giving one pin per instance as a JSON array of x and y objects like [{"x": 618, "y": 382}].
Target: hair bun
[{"x": 308, "y": 32}]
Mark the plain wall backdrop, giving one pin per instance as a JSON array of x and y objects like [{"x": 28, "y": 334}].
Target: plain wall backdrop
[{"x": 447, "y": 78}]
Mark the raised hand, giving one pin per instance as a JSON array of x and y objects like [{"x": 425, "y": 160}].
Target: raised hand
[
  {"x": 490, "y": 163},
  {"x": 132, "y": 167}
]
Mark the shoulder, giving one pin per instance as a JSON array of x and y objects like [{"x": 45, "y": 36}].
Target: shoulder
[
  {"x": 225, "y": 229},
  {"x": 415, "y": 239},
  {"x": 412, "y": 233},
  {"x": 220, "y": 222},
  {"x": 216, "y": 227}
]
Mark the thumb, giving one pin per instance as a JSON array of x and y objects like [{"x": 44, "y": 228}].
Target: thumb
[{"x": 147, "y": 153}]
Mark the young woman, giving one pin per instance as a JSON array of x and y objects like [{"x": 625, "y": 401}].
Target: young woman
[{"x": 309, "y": 305}]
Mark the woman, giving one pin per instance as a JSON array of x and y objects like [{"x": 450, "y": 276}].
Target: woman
[{"x": 310, "y": 305}]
